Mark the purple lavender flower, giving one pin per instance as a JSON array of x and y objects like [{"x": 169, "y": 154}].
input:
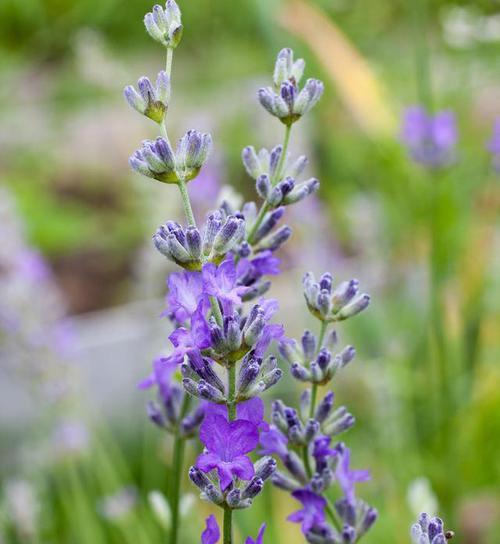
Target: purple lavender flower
[
  {"x": 227, "y": 444},
  {"x": 195, "y": 338},
  {"x": 211, "y": 534},
  {"x": 273, "y": 441},
  {"x": 430, "y": 140},
  {"x": 322, "y": 450},
  {"x": 150, "y": 101},
  {"x": 429, "y": 530},
  {"x": 346, "y": 477},
  {"x": 164, "y": 24},
  {"x": 494, "y": 146},
  {"x": 220, "y": 282},
  {"x": 312, "y": 514},
  {"x": 185, "y": 290}
]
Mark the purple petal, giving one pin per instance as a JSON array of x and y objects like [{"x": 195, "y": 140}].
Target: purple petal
[
  {"x": 211, "y": 534},
  {"x": 243, "y": 468},
  {"x": 207, "y": 461}
]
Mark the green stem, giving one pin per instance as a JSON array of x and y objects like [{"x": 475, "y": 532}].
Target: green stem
[
  {"x": 188, "y": 210},
  {"x": 216, "y": 312},
  {"x": 231, "y": 392},
  {"x": 228, "y": 525},
  {"x": 314, "y": 389},
  {"x": 168, "y": 63},
  {"x": 176, "y": 473},
  {"x": 231, "y": 412},
  {"x": 330, "y": 510},
  {"x": 277, "y": 176}
]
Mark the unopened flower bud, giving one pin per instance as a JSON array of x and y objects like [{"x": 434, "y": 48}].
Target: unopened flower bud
[{"x": 164, "y": 24}]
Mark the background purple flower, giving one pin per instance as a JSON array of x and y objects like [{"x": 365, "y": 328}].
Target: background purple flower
[
  {"x": 494, "y": 145},
  {"x": 211, "y": 534},
  {"x": 226, "y": 444},
  {"x": 430, "y": 140},
  {"x": 260, "y": 536}
]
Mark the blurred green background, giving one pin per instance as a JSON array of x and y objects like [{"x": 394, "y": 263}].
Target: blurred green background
[{"x": 425, "y": 386}]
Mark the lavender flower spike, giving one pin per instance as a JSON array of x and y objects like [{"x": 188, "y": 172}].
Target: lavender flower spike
[
  {"x": 285, "y": 100},
  {"x": 148, "y": 100},
  {"x": 164, "y": 25}
]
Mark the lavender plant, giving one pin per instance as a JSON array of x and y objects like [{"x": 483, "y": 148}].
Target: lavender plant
[{"x": 211, "y": 383}]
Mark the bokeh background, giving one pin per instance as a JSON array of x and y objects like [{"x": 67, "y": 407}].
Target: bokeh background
[{"x": 81, "y": 287}]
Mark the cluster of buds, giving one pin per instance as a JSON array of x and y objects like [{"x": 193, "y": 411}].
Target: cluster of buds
[
  {"x": 164, "y": 24},
  {"x": 329, "y": 304},
  {"x": 167, "y": 412},
  {"x": 189, "y": 248},
  {"x": 285, "y": 100},
  {"x": 256, "y": 375},
  {"x": 429, "y": 530},
  {"x": 310, "y": 364},
  {"x": 238, "y": 496},
  {"x": 150, "y": 101},
  {"x": 262, "y": 167},
  {"x": 156, "y": 159},
  {"x": 357, "y": 519}
]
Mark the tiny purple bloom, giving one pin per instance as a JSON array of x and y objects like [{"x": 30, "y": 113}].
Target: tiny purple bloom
[
  {"x": 313, "y": 513},
  {"x": 430, "y": 139},
  {"x": 347, "y": 477},
  {"x": 184, "y": 340},
  {"x": 260, "y": 536},
  {"x": 220, "y": 282},
  {"x": 273, "y": 441},
  {"x": 226, "y": 444},
  {"x": 322, "y": 449},
  {"x": 265, "y": 263},
  {"x": 211, "y": 534},
  {"x": 185, "y": 290},
  {"x": 270, "y": 333}
]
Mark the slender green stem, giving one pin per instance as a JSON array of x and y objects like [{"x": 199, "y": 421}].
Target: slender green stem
[
  {"x": 307, "y": 464},
  {"x": 284, "y": 151},
  {"x": 188, "y": 210},
  {"x": 168, "y": 63},
  {"x": 330, "y": 510},
  {"x": 231, "y": 412},
  {"x": 231, "y": 388},
  {"x": 176, "y": 473},
  {"x": 277, "y": 176},
  {"x": 314, "y": 389},
  {"x": 228, "y": 525}
]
